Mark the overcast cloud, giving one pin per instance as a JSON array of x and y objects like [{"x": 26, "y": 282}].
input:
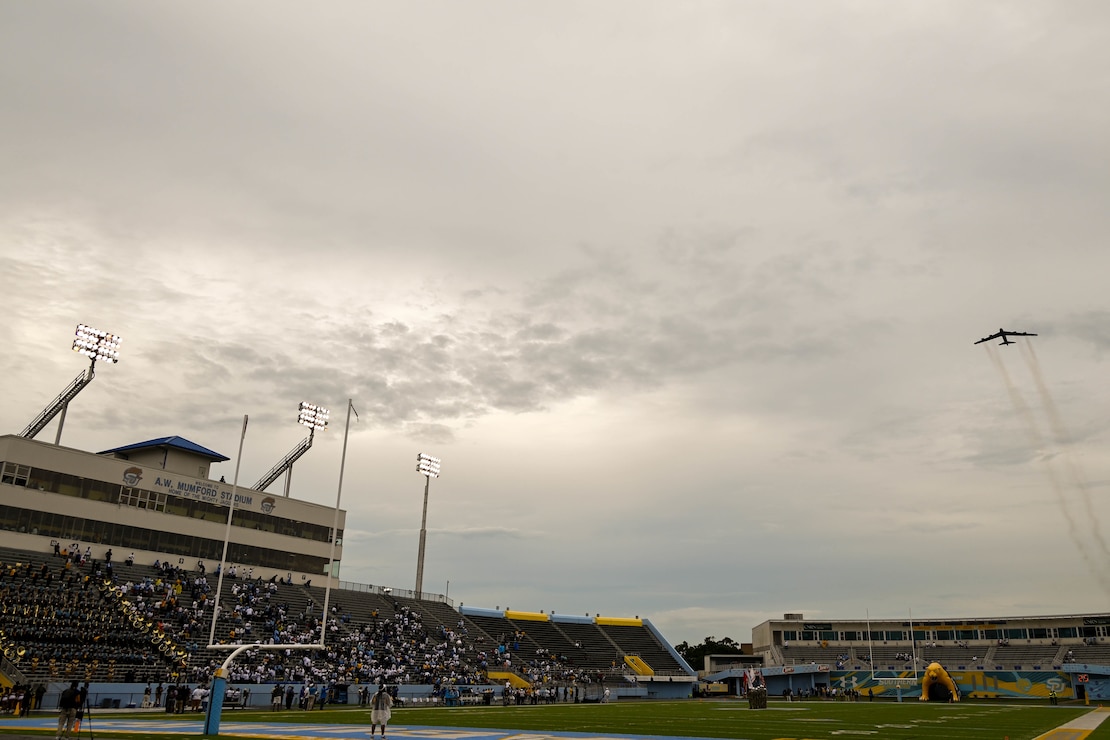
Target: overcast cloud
[{"x": 683, "y": 293}]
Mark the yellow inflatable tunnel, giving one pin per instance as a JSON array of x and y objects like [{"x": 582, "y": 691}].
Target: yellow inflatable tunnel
[{"x": 938, "y": 685}]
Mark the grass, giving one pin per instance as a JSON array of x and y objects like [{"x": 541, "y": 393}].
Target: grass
[{"x": 812, "y": 720}]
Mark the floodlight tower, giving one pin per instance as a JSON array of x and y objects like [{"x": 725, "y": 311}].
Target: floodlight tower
[
  {"x": 427, "y": 466},
  {"x": 96, "y": 344},
  {"x": 312, "y": 416}
]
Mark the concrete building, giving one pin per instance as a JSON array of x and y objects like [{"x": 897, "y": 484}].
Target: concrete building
[{"x": 156, "y": 499}]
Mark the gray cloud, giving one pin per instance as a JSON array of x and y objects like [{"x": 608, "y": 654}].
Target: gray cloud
[{"x": 666, "y": 285}]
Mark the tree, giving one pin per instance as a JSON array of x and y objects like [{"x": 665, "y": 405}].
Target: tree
[{"x": 695, "y": 654}]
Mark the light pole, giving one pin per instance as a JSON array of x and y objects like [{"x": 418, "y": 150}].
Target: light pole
[
  {"x": 312, "y": 416},
  {"x": 427, "y": 466},
  {"x": 96, "y": 344}
]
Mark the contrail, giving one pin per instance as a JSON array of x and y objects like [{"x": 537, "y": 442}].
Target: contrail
[
  {"x": 1035, "y": 438},
  {"x": 1063, "y": 439}
]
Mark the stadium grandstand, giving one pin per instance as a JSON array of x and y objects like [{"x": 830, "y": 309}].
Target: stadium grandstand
[
  {"x": 100, "y": 585},
  {"x": 1004, "y": 657}
]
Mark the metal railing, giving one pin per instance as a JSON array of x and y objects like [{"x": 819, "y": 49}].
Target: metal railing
[
  {"x": 10, "y": 670},
  {"x": 401, "y": 593},
  {"x": 58, "y": 404},
  {"x": 282, "y": 466}
]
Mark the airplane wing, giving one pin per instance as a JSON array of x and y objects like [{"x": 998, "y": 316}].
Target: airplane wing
[
  {"x": 1019, "y": 334},
  {"x": 996, "y": 335}
]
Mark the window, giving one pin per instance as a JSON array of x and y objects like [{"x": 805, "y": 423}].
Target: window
[
  {"x": 86, "y": 530},
  {"x": 142, "y": 499},
  {"x": 96, "y": 490},
  {"x": 15, "y": 475}
]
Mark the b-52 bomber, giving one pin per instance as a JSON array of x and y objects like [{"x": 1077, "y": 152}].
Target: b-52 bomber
[{"x": 1004, "y": 334}]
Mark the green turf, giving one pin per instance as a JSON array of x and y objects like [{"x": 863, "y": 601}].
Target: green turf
[
  {"x": 732, "y": 719},
  {"x": 812, "y": 720}
]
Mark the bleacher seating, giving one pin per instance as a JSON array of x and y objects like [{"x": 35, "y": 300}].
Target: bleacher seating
[
  {"x": 57, "y": 624},
  {"x": 153, "y": 624},
  {"x": 592, "y": 649},
  {"x": 638, "y": 641},
  {"x": 1027, "y": 657},
  {"x": 1097, "y": 654},
  {"x": 800, "y": 654}
]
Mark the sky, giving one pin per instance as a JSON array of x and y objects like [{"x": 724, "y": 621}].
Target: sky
[{"x": 684, "y": 294}]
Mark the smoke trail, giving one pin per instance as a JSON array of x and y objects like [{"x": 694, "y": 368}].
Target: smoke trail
[
  {"x": 1037, "y": 441},
  {"x": 1063, "y": 439}
]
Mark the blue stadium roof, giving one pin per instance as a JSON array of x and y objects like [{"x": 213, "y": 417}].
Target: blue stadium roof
[{"x": 178, "y": 443}]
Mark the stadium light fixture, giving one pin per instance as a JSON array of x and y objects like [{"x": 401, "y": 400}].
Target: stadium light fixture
[
  {"x": 427, "y": 466},
  {"x": 96, "y": 344},
  {"x": 312, "y": 416}
]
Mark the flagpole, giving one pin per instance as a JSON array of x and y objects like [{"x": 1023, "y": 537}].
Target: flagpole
[
  {"x": 913, "y": 647},
  {"x": 870, "y": 646},
  {"x": 335, "y": 521}
]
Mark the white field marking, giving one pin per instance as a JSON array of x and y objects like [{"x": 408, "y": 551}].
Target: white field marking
[{"x": 768, "y": 709}]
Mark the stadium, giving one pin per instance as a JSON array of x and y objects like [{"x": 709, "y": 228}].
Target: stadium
[
  {"x": 111, "y": 559},
  {"x": 133, "y": 572}
]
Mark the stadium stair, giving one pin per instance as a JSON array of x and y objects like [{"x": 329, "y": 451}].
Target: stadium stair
[
  {"x": 513, "y": 678},
  {"x": 638, "y": 666}
]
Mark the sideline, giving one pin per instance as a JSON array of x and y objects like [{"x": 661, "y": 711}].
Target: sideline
[
  {"x": 287, "y": 731},
  {"x": 1079, "y": 728}
]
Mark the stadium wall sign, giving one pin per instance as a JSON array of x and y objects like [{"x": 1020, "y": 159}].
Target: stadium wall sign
[{"x": 202, "y": 491}]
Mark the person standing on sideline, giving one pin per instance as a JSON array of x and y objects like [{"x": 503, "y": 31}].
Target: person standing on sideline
[
  {"x": 67, "y": 710},
  {"x": 380, "y": 704},
  {"x": 82, "y": 700}
]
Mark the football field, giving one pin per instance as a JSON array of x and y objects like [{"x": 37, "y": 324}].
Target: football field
[{"x": 815, "y": 720}]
